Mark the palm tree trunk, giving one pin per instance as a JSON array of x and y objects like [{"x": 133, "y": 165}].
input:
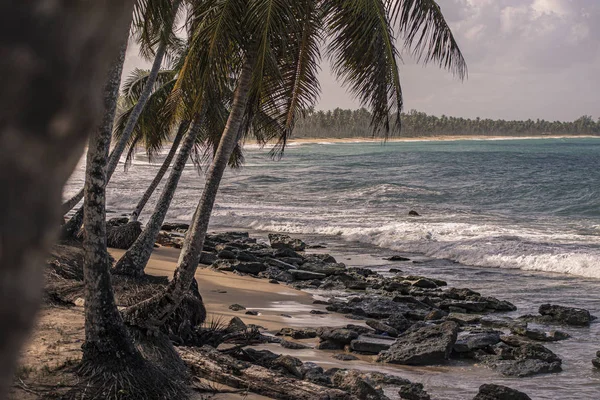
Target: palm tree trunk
[
  {"x": 57, "y": 61},
  {"x": 161, "y": 172},
  {"x": 117, "y": 151},
  {"x": 134, "y": 261},
  {"x": 105, "y": 333},
  {"x": 156, "y": 310},
  {"x": 72, "y": 202},
  {"x": 72, "y": 226}
]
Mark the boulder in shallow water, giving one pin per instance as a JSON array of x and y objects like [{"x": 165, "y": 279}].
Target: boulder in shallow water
[
  {"x": 358, "y": 384},
  {"x": 413, "y": 391},
  {"x": 279, "y": 241},
  {"x": 371, "y": 344},
  {"x": 566, "y": 315},
  {"x": 499, "y": 392},
  {"x": 413, "y": 213},
  {"x": 427, "y": 345}
]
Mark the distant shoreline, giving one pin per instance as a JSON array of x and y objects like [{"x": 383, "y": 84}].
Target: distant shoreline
[{"x": 431, "y": 139}]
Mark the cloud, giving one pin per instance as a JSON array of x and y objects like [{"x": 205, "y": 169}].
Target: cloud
[{"x": 526, "y": 58}]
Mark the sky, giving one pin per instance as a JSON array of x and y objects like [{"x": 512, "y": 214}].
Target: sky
[{"x": 526, "y": 59}]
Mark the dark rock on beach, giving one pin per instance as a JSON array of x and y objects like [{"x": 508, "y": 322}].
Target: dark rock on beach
[
  {"x": 566, "y": 315},
  {"x": 499, "y": 392},
  {"x": 305, "y": 333},
  {"x": 428, "y": 345}
]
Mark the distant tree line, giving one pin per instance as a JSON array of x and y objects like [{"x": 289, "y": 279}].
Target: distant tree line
[{"x": 341, "y": 123}]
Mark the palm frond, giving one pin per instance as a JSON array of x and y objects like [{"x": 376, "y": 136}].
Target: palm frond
[
  {"x": 427, "y": 34},
  {"x": 364, "y": 56}
]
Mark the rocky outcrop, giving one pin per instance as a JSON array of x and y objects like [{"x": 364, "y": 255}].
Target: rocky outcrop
[
  {"x": 279, "y": 241},
  {"x": 335, "y": 338},
  {"x": 499, "y": 392},
  {"x": 427, "y": 345},
  {"x": 566, "y": 315},
  {"x": 515, "y": 357}
]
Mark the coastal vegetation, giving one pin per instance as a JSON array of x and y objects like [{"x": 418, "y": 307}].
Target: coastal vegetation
[{"x": 341, "y": 123}]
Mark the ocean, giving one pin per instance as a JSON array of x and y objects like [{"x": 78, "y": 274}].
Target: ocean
[
  {"x": 531, "y": 204},
  {"x": 514, "y": 219}
]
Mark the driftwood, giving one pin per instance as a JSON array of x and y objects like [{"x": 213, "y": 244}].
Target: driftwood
[{"x": 208, "y": 363}]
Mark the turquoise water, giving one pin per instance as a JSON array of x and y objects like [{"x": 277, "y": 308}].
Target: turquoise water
[
  {"x": 529, "y": 204},
  {"x": 525, "y": 204}
]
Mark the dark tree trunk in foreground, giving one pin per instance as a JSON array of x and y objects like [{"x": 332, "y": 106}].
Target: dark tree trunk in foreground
[
  {"x": 160, "y": 174},
  {"x": 55, "y": 56},
  {"x": 134, "y": 261},
  {"x": 117, "y": 152},
  {"x": 105, "y": 335},
  {"x": 155, "y": 311}
]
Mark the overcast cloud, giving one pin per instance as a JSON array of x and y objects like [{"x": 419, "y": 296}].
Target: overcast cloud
[{"x": 526, "y": 59}]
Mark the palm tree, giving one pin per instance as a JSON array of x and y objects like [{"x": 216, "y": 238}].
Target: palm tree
[
  {"x": 276, "y": 46},
  {"x": 108, "y": 350},
  {"x": 48, "y": 110},
  {"x": 153, "y": 26}
]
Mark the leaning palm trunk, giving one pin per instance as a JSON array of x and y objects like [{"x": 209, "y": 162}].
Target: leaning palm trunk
[
  {"x": 105, "y": 333},
  {"x": 71, "y": 228},
  {"x": 161, "y": 173},
  {"x": 134, "y": 261},
  {"x": 117, "y": 151},
  {"x": 156, "y": 310}
]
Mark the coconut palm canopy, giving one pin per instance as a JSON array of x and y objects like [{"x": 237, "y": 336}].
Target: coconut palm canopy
[{"x": 285, "y": 40}]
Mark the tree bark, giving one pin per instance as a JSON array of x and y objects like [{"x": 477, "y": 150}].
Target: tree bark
[
  {"x": 155, "y": 311},
  {"x": 72, "y": 226},
  {"x": 56, "y": 55},
  {"x": 134, "y": 261},
  {"x": 105, "y": 333},
  {"x": 160, "y": 174}
]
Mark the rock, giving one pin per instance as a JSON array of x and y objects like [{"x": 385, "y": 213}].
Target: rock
[
  {"x": 274, "y": 281},
  {"x": 345, "y": 357},
  {"x": 237, "y": 307},
  {"x": 279, "y": 241},
  {"x": 356, "y": 285},
  {"x": 473, "y": 306},
  {"x": 292, "y": 345},
  {"x": 476, "y": 341},
  {"x": 251, "y": 312},
  {"x": 566, "y": 315},
  {"x": 236, "y": 325},
  {"x": 286, "y": 252},
  {"x": 357, "y": 384},
  {"x": 413, "y": 213},
  {"x": 435, "y": 315},
  {"x": 318, "y": 312},
  {"x": 171, "y": 226},
  {"x": 371, "y": 344},
  {"x": 427, "y": 345},
  {"x": 253, "y": 268},
  {"x": 330, "y": 345},
  {"x": 539, "y": 335},
  {"x": 464, "y": 319},
  {"x": 313, "y": 373},
  {"x": 395, "y": 270},
  {"x": 596, "y": 361},
  {"x": 360, "y": 329},
  {"x": 306, "y": 333},
  {"x": 499, "y": 392},
  {"x": 526, "y": 359},
  {"x": 207, "y": 258},
  {"x": 302, "y": 275},
  {"x": 413, "y": 391},
  {"x": 340, "y": 335},
  {"x": 327, "y": 269},
  {"x": 245, "y": 256},
  {"x": 226, "y": 255},
  {"x": 503, "y": 322},
  {"x": 288, "y": 364},
  {"x": 438, "y": 282},
  {"x": 398, "y": 322},
  {"x": 424, "y": 283},
  {"x": 324, "y": 258},
  {"x": 381, "y": 327},
  {"x": 397, "y": 258}
]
